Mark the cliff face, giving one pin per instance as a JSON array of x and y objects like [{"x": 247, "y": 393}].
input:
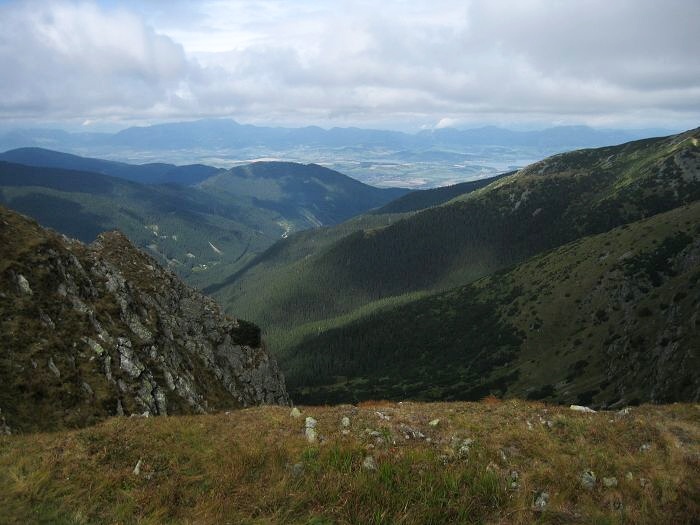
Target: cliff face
[{"x": 100, "y": 330}]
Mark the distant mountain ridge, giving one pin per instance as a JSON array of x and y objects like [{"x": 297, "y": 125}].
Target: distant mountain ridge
[
  {"x": 153, "y": 173},
  {"x": 227, "y": 133}
]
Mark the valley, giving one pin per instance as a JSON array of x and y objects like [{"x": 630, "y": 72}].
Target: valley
[
  {"x": 358, "y": 263},
  {"x": 183, "y": 215},
  {"x": 323, "y": 297},
  {"x": 382, "y": 158},
  {"x": 526, "y": 284}
]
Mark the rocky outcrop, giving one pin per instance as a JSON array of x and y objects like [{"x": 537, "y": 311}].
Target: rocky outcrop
[{"x": 100, "y": 330}]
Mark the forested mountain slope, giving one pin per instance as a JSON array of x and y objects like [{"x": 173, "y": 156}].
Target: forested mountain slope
[
  {"x": 206, "y": 233},
  {"x": 609, "y": 320},
  {"x": 302, "y": 193},
  {"x": 153, "y": 173},
  {"x": 543, "y": 206},
  {"x": 95, "y": 331},
  {"x": 300, "y": 245},
  {"x": 189, "y": 230},
  {"x": 421, "y": 199}
]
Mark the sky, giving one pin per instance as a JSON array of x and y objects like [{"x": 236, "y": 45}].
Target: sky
[{"x": 395, "y": 64}]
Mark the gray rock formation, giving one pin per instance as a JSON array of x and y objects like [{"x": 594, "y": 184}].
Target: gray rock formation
[{"x": 120, "y": 334}]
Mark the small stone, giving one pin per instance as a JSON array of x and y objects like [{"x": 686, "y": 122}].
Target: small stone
[
  {"x": 434, "y": 423},
  {"x": 345, "y": 422},
  {"x": 629, "y": 476},
  {"x": 95, "y": 346},
  {"x": 310, "y": 434},
  {"x": 643, "y": 482},
  {"x": 295, "y": 413},
  {"x": 310, "y": 422},
  {"x": 46, "y": 320},
  {"x": 23, "y": 285},
  {"x": 383, "y": 416},
  {"x": 369, "y": 463},
  {"x": 646, "y": 447},
  {"x": 529, "y": 425},
  {"x": 137, "y": 468},
  {"x": 54, "y": 369},
  {"x": 610, "y": 482},
  {"x": 514, "y": 476},
  {"x": 412, "y": 433},
  {"x": 463, "y": 447},
  {"x": 541, "y": 501},
  {"x": 297, "y": 470},
  {"x": 588, "y": 479},
  {"x": 87, "y": 389},
  {"x": 546, "y": 422},
  {"x": 623, "y": 412},
  {"x": 345, "y": 432},
  {"x": 579, "y": 408}
]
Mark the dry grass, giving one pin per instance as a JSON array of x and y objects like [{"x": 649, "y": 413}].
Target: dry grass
[{"x": 254, "y": 466}]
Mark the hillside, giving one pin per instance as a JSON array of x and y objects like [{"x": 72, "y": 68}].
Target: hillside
[
  {"x": 608, "y": 320},
  {"x": 94, "y": 331},
  {"x": 510, "y": 463},
  {"x": 275, "y": 262},
  {"x": 307, "y": 194},
  {"x": 153, "y": 173},
  {"x": 421, "y": 199},
  {"x": 546, "y": 205},
  {"x": 181, "y": 226},
  {"x": 204, "y": 233}
]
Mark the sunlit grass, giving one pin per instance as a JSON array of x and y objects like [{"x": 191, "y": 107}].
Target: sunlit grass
[{"x": 255, "y": 466}]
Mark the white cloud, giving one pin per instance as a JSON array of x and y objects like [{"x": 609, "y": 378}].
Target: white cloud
[
  {"x": 80, "y": 60},
  {"x": 354, "y": 62}
]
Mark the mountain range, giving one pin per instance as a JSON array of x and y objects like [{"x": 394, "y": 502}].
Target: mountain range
[
  {"x": 197, "y": 219},
  {"x": 215, "y": 134},
  {"x": 326, "y": 296},
  {"x": 573, "y": 280}
]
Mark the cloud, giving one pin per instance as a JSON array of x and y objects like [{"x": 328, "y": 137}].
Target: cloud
[
  {"x": 80, "y": 60},
  {"x": 632, "y": 62}
]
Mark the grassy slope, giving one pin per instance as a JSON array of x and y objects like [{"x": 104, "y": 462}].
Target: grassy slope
[
  {"x": 254, "y": 466},
  {"x": 546, "y": 205},
  {"x": 609, "y": 318}
]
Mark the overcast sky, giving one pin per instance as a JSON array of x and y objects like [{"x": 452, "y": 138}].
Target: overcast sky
[{"x": 394, "y": 64}]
